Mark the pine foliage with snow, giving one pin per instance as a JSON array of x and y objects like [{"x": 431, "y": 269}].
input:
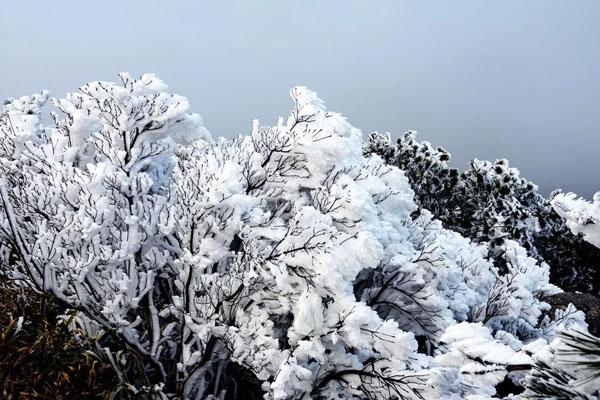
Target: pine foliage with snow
[{"x": 490, "y": 203}]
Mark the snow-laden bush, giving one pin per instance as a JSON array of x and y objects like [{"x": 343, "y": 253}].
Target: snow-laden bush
[{"x": 282, "y": 264}]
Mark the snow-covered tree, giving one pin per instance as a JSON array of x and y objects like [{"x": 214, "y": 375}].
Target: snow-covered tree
[
  {"x": 283, "y": 264},
  {"x": 490, "y": 203},
  {"x": 277, "y": 226},
  {"x": 87, "y": 214},
  {"x": 574, "y": 262},
  {"x": 569, "y": 367}
]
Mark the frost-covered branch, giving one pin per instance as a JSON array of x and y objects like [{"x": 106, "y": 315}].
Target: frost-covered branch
[{"x": 581, "y": 216}]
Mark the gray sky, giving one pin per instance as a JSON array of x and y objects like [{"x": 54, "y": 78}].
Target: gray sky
[{"x": 512, "y": 79}]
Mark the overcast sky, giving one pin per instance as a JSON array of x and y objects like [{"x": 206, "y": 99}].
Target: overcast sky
[{"x": 509, "y": 79}]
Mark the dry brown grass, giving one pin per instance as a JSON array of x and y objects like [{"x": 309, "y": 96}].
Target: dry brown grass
[{"x": 42, "y": 359}]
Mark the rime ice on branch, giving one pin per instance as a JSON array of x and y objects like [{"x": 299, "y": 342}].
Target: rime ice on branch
[{"x": 581, "y": 216}]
